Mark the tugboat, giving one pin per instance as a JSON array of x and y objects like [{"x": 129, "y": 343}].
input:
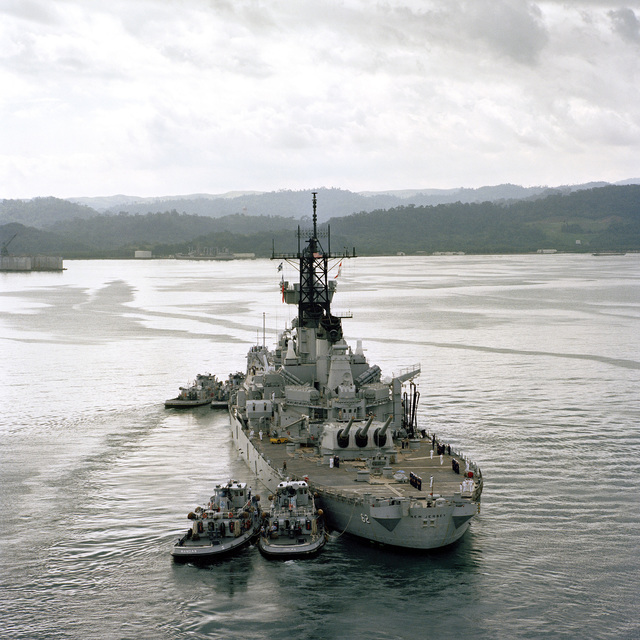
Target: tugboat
[
  {"x": 293, "y": 527},
  {"x": 207, "y": 389},
  {"x": 230, "y": 520},
  {"x": 312, "y": 407}
]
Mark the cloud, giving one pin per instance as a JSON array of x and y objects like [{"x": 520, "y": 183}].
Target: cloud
[
  {"x": 503, "y": 28},
  {"x": 626, "y": 24},
  {"x": 152, "y": 97},
  {"x": 30, "y": 11}
]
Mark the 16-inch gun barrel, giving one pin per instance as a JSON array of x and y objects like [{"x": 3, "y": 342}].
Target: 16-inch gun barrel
[
  {"x": 361, "y": 434},
  {"x": 343, "y": 435},
  {"x": 380, "y": 435}
]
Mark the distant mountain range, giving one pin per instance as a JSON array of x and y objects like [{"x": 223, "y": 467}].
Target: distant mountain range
[
  {"x": 335, "y": 202},
  {"x": 44, "y": 212},
  {"x": 105, "y": 204},
  {"x": 499, "y": 219}
]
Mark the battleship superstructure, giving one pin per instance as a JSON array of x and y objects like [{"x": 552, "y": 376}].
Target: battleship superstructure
[{"x": 314, "y": 409}]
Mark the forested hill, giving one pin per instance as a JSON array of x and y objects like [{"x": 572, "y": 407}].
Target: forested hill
[
  {"x": 42, "y": 212},
  {"x": 336, "y": 202},
  {"x": 605, "y": 218}
]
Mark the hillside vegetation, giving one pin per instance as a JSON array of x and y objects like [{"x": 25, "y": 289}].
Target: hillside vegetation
[{"x": 604, "y": 218}]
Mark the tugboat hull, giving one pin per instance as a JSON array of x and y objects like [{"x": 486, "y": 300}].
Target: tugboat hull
[
  {"x": 199, "y": 551},
  {"x": 291, "y": 551},
  {"x": 177, "y": 403}
]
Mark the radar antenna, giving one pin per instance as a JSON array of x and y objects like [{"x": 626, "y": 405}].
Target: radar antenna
[{"x": 315, "y": 291}]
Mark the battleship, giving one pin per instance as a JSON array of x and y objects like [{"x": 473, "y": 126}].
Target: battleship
[{"x": 311, "y": 408}]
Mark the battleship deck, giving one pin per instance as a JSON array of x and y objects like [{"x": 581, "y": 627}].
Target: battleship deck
[{"x": 304, "y": 461}]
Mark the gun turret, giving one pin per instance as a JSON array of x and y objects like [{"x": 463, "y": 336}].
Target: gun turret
[
  {"x": 361, "y": 434},
  {"x": 343, "y": 435},
  {"x": 380, "y": 435}
]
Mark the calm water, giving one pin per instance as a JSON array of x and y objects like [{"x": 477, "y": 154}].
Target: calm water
[{"x": 531, "y": 365}]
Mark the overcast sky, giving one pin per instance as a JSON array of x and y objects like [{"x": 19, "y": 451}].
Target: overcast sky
[{"x": 159, "y": 97}]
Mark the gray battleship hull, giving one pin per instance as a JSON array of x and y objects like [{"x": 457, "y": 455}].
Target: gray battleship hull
[{"x": 412, "y": 527}]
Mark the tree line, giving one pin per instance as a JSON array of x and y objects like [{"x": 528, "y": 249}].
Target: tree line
[{"x": 604, "y": 218}]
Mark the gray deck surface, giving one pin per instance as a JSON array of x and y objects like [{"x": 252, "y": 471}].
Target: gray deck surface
[{"x": 305, "y": 462}]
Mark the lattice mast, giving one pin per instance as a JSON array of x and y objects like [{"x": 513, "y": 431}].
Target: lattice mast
[{"x": 315, "y": 289}]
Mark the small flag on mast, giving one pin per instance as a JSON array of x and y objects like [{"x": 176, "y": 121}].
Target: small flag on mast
[
  {"x": 280, "y": 267},
  {"x": 339, "y": 271}
]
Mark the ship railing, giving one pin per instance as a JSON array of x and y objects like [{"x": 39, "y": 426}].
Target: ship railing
[
  {"x": 338, "y": 495},
  {"x": 294, "y": 513},
  {"x": 299, "y": 403},
  {"x": 409, "y": 372},
  {"x": 375, "y": 403}
]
